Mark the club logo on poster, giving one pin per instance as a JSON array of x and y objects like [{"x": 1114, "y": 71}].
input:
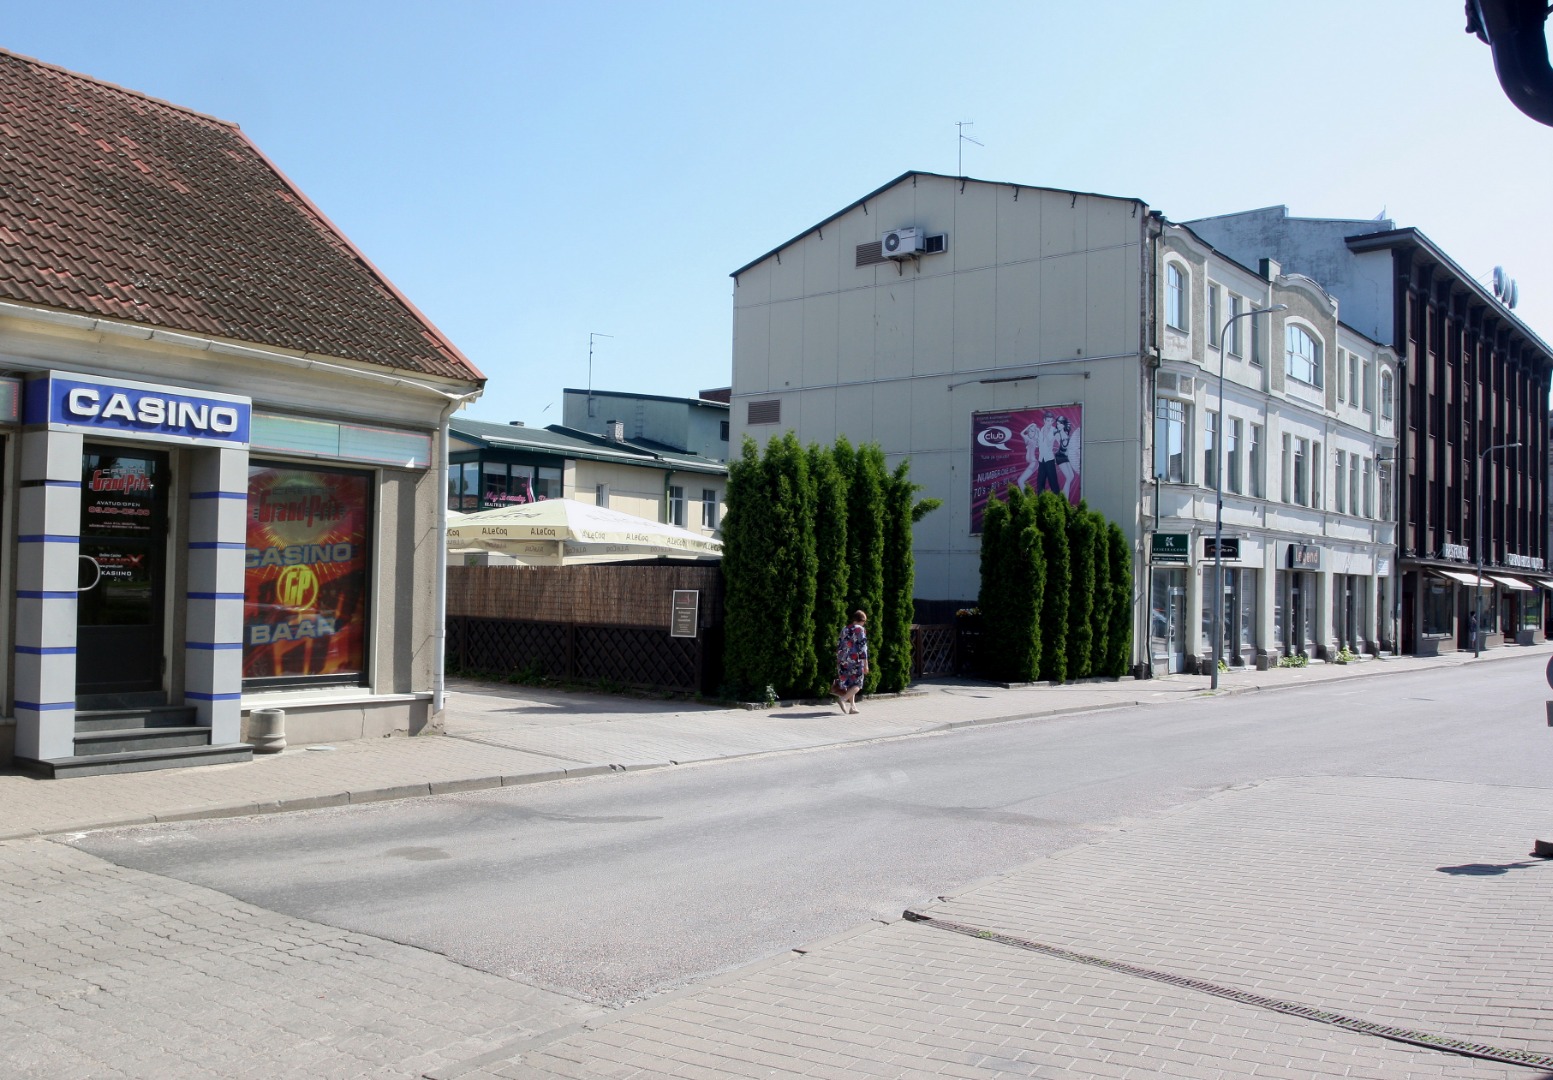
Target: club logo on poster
[{"x": 1036, "y": 449}]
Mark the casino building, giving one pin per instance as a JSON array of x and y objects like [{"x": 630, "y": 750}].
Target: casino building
[{"x": 222, "y": 447}]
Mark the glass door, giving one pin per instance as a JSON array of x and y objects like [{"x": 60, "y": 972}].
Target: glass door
[{"x": 120, "y": 605}]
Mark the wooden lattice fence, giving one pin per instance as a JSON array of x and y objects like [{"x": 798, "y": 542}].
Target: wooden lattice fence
[{"x": 606, "y": 623}]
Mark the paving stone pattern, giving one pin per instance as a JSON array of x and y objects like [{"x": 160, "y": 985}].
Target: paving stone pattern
[
  {"x": 107, "y": 973},
  {"x": 1258, "y": 889}
]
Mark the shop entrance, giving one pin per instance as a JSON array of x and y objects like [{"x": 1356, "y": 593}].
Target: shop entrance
[
  {"x": 120, "y": 606},
  {"x": 1167, "y": 621}
]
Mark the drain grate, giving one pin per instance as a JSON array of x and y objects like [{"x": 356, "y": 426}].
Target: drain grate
[{"x": 1424, "y": 1039}]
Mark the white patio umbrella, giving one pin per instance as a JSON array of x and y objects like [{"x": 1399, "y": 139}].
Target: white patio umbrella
[{"x": 557, "y": 532}]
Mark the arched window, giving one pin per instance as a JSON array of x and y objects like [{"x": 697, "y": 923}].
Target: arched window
[
  {"x": 1388, "y": 395},
  {"x": 1302, "y": 355},
  {"x": 1175, "y": 296}
]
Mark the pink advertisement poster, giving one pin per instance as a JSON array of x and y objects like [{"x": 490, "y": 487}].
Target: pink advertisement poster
[{"x": 1036, "y": 448}]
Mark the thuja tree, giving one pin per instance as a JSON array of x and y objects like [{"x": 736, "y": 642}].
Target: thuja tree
[
  {"x": 830, "y": 550},
  {"x": 1105, "y": 597},
  {"x": 1081, "y": 590},
  {"x": 750, "y": 620},
  {"x": 864, "y": 474},
  {"x": 1013, "y": 583},
  {"x": 1119, "y": 647},
  {"x": 769, "y": 571},
  {"x": 896, "y": 612},
  {"x": 1051, "y": 521}
]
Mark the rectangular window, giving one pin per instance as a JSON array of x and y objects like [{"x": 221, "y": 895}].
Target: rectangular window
[
  {"x": 307, "y": 586},
  {"x": 1387, "y": 501},
  {"x": 547, "y": 484},
  {"x": 1213, "y": 315},
  {"x": 1302, "y": 471},
  {"x": 1232, "y": 455},
  {"x": 677, "y": 506},
  {"x": 1341, "y": 359},
  {"x": 1353, "y": 484},
  {"x": 1367, "y": 386},
  {"x": 1175, "y": 296},
  {"x": 1170, "y": 443},
  {"x": 1256, "y": 342},
  {"x": 1387, "y": 395},
  {"x": 1286, "y": 493},
  {"x": 1353, "y": 378},
  {"x": 1369, "y": 488},
  {"x": 1236, "y": 306},
  {"x": 601, "y": 495},
  {"x": 722, "y": 430},
  {"x": 1258, "y": 466},
  {"x": 1210, "y": 455},
  {"x": 1317, "y": 469},
  {"x": 1340, "y": 489},
  {"x": 708, "y": 508},
  {"x": 1302, "y": 356}
]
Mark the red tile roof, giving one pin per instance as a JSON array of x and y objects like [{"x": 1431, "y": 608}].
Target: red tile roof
[{"x": 118, "y": 205}]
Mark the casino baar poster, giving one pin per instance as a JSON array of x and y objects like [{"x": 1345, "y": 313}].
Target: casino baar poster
[{"x": 305, "y": 597}]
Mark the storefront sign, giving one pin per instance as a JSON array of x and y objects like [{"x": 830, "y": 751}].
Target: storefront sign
[
  {"x": 1230, "y": 547},
  {"x": 141, "y": 410},
  {"x": 1304, "y": 557},
  {"x": 1037, "y": 449},
  {"x": 686, "y": 612},
  {"x": 1523, "y": 562},
  {"x": 1456, "y": 552},
  {"x": 1170, "y": 548},
  {"x": 306, "y": 586}
]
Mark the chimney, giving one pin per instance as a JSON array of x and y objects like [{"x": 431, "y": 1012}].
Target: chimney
[
  {"x": 617, "y": 430},
  {"x": 1270, "y": 270},
  {"x": 514, "y": 423}
]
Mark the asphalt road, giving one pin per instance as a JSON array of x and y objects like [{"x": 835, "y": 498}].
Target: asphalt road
[{"x": 617, "y": 886}]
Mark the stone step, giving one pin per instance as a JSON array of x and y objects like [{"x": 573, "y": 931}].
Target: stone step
[
  {"x": 121, "y": 740},
  {"x": 173, "y": 757},
  {"x": 156, "y": 716}
]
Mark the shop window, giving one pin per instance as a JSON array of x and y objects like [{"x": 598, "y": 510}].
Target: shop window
[
  {"x": 547, "y": 483},
  {"x": 1437, "y": 608},
  {"x": 307, "y": 583}
]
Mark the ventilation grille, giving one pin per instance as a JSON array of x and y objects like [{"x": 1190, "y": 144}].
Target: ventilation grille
[
  {"x": 766, "y": 412},
  {"x": 933, "y": 245},
  {"x": 870, "y": 253}
]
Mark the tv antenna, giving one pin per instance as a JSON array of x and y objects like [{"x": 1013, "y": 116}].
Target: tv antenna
[
  {"x": 591, "y": 409},
  {"x": 964, "y": 138}
]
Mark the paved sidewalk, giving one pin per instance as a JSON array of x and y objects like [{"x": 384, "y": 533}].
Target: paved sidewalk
[
  {"x": 1300, "y": 928},
  {"x": 502, "y": 735}
]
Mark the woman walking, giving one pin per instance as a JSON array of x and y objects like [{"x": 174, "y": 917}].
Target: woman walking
[{"x": 851, "y": 662}]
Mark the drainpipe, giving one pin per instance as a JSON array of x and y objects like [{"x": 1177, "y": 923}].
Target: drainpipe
[{"x": 440, "y": 639}]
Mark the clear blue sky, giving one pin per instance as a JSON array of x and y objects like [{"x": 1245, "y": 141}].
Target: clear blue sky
[{"x": 528, "y": 173}]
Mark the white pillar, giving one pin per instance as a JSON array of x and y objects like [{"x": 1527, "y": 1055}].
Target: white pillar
[
  {"x": 213, "y": 646},
  {"x": 48, "y": 550}
]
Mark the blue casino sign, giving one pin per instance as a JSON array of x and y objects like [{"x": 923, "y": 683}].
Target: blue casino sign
[{"x": 67, "y": 402}]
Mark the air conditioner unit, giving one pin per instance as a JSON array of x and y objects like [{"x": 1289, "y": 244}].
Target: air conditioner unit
[{"x": 900, "y": 243}]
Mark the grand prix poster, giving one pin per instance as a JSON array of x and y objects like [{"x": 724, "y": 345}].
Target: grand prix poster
[
  {"x": 1037, "y": 449},
  {"x": 305, "y": 598}
]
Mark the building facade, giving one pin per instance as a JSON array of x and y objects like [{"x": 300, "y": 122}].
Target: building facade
[
  {"x": 1471, "y": 395},
  {"x": 998, "y": 333},
  {"x": 221, "y": 446},
  {"x": 505, "y": 464},
  {"x": 697, "y": 425}
]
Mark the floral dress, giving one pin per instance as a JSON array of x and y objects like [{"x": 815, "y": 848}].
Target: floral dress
[{"x": 851, "y": 656}]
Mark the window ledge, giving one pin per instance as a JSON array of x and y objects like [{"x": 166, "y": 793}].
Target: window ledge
[{"x": 334, "y": 695}]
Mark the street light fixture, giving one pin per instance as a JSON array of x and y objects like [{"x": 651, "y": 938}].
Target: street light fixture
[
  {"x": 1218, "y": 492},
  {"x": 1477, "y": 609}
]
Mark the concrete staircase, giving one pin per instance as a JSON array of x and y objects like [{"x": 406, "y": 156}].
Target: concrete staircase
[{"x": 139, "y": 740}]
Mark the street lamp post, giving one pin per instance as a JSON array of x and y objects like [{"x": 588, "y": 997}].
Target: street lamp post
[
  {"x": 1218, "y": 494},
  {"x": 1477, "y": 608}
]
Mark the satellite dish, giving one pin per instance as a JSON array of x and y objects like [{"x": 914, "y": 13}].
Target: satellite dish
[
  {"x": 1515, "y": 293},
  {"x": 1499, "y": 281}
]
